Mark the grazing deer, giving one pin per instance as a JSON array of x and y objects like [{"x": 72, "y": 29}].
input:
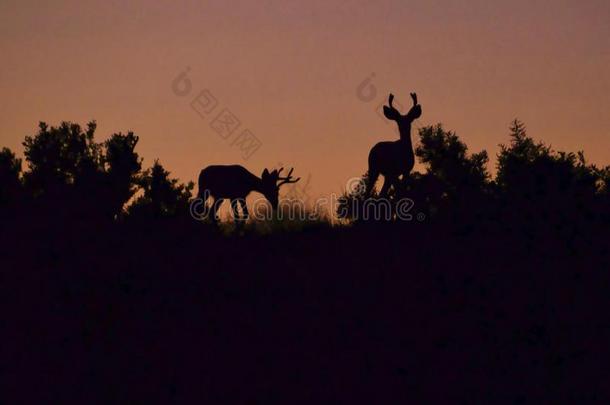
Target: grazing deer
[
  {"x": 235, "y": 182},
  {"x": 392, "y": 159}
]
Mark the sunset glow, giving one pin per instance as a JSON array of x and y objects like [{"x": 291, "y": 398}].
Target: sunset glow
[{"x": 290, "y": 73}]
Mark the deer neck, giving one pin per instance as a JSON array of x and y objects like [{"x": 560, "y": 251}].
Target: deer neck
[
  {"x": 257, "y": 185},
  {"x": 405, "y": 137}
]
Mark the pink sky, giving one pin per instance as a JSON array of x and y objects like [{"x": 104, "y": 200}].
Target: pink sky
[{"x": 289, "y": 71}]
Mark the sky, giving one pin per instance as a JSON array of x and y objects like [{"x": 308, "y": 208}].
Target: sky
[{"x": 304, "y": 79}]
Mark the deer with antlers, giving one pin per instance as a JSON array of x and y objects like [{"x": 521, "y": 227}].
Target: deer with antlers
[
  {"x": 393, "y": 159},
  {"x": 235, "y": 182}
]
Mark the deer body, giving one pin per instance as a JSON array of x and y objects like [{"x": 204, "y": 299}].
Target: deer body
[
  {"x": 234, "y": 183},
  {"x": 228, "y": 182},
  {"x": 391, "y": 158},
  {"x": 394, "y": 159}
]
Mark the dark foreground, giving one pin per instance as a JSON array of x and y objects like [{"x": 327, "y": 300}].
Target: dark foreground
[{"x": 175, "y": 313}]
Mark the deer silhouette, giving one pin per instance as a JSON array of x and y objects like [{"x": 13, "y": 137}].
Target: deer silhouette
[
  {"x": 235, "y": 182},
  {"x": 393, "y": 159}
]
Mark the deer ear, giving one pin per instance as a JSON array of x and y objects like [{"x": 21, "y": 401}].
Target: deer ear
[
  {"x": 414, "y": 113},
  {"x": 391, "y": 113},
  {"x": 265, "y": 174}
]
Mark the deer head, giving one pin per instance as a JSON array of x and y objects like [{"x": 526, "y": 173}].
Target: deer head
[
  {"x": 403, "y": 121},
  {"x": 271, "y": 183}
]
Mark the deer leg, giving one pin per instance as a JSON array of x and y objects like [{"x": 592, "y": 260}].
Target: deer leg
[
  {"x": 371, "y": 183},
  {"x": 236, "y": 214},
  {"x": 387, "y": 182},
  {"x": 215, "y": 206},
  {"x": 244, "y": 209}
]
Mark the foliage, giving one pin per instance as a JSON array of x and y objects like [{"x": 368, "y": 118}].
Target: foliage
[
  {"x": 163, "y": 196},
  {"x": 64, "y": 155},
  {"x": 122, "y": 169},
  {"x": 73, "y": 173},
  {"x": 10, "y": 177},
  {"x": 350, "y": 205},
  {"x": 534, "y": 170},
  {"x": 445, "y": 156}
]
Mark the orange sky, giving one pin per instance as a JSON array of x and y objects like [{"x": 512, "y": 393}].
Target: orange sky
[{"x": 289, "y": 71}]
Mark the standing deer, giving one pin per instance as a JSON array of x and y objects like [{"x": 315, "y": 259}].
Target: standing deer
[
  {"x": 235, "y": 182},
  {"x": 392, "y": 159}
]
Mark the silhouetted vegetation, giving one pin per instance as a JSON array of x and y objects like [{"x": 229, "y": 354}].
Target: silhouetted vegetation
[
  {"x": 113, "y": 294},
  {"x": 535, "y": 189},
  {"x": 11, "y": 189},
  {"x": 162, "y": 195},
  {"x": 73, "y": 177}
]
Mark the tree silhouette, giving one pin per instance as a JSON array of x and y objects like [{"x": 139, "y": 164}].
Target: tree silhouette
[
  {"x": 532, "y": 169},
  {"x": 547, "y": 192},
  {"x": 122, "y": 167},
  {"x": 163, "y": 196},
  {"x": 350, "y": 205},
  {"x": 455, "y": 184},
  {"x": 77, "y": 176},
  {"x": 10, "y": 177},
  {"x": 445, "y": 156},
  {"x": 60, "y": 156}
]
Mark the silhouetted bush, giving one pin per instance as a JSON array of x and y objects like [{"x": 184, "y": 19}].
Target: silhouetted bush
[
  {"x": 73, "y": 176},
  {"x": 455, "y": 185},
  {"x": 60, "y": 156},
  {"x": 163, "y": 196},
  {"x": 544, "y": 192},
  {"x": 350, "y": 205},
  {"x": 11, "y": 189},
  {"x": 122, "y": 169},
  {"x": 532, "y": 170},
  {"x": 445, "y": 156}
]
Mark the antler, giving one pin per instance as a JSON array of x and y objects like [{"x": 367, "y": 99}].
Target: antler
[
  {"x": 286, "y": 180},
  {"x": 414, "y": 97}
]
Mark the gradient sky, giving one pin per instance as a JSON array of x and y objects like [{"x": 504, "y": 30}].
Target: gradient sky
[{"x": 290, "y": 70}]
